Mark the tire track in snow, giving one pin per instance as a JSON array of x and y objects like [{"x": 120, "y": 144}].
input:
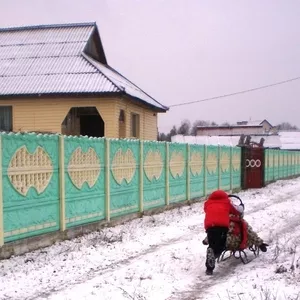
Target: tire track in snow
[{"x": 112, "y": 267}]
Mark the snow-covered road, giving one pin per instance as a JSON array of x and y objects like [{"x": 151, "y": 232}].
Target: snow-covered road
[{"x": 162, "y": 257}]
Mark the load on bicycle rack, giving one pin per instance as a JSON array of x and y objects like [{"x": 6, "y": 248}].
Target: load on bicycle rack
[{"x": 240, "y": 253}]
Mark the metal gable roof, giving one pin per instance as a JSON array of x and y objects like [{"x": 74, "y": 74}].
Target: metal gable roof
[
  {"x": 123, "y": 83},
  {"x": 51, "y": 59}
]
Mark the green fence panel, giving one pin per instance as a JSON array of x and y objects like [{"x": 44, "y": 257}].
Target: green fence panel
[
  {"x": 154, "y": 174},
  {"x": 236, "y": 167},
  {"x": 295, "y": 163},
  {"x": 298, "y": 163},
  {"x": 266, "y": 166},
  {"x": 287, "y": 167},
  {"x": 276, "y": 164},
  {"x": 298, "y": 172},
  {"x": 212, "y": 168},
  {"x": 177, "y": 172},
  {"x": 124, "y": 177},
  {"x": 285, "y": 162},
  {"x": 225, "y": 153},
  {"x": 271, "y": 165},
  {"x": 281, "y": 165},
  {"x": 30, "y": 185},
  {"x": 197, "y": 169},
  {"x": 292, "y": 165},
  {"x": 84, "y": 180}
]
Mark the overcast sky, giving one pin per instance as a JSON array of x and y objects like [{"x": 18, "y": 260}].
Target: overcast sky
[{"x": 186, "y": 50}]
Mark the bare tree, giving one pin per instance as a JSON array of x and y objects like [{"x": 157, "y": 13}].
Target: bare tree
[
  {"x": 184, "y": 128},
  {"x": 225, "y": 124},
  {"x": 286, "y": 126},
  {"x": 201, "y": 123}
]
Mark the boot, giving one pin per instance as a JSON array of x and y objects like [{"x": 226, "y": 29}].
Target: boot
[
  {"x": 205, "y": 241},
  {"x": 209, "y": 272},
  {"x": 263, "y": 247}
]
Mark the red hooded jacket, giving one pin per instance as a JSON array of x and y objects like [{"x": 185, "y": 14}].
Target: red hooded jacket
[{"x": 217, "y": 209}]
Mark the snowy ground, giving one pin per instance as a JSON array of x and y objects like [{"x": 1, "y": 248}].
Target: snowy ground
[{"x": 161, "y": 257}]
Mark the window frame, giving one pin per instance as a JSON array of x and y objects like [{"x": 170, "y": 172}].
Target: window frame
[
  {"x": 135, "y": 125},
  {"x": 10, "y": 107}
]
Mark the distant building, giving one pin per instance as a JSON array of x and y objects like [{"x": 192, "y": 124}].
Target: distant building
[{"x": 243, "y": 127}]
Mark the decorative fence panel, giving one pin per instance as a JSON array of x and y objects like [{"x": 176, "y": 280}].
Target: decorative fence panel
[
  {"x": 236, "y": 167},
  {"x": 51, "y": 182},
  {"x": 269, "y": 165},
  {"x": 154, "y": 174},
  {"x": 212, "y": 168},
  {"x": 197, "y": 171},
  {"x": 280, "y": 164},
  {"x": 124, "y": 177},
  {"x": 84, "y": 180},
  {"x": 30, "y": 185},
  {"x": 225, "y": 168},
  {"x": 177, "y": 172}
]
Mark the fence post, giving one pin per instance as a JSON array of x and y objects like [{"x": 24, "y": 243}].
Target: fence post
[
  {"x": 167, "y": 174},
  {"x": 141, "y": 176},
  {"x": 298, "y": 163},
  {"x": 188, "y": 173},
  {"x": 219, "y": 167},
  {"x": 1, "y": 198},
  {"x": 298, "y": 160},
  {"x": 266, "y": 166},
  {"x": 204, "y": 171},
  {"x": 62, "y": 183},
  {"x": 278, "y": 160},
  {"x": 274, "y": 164},
  {"x": 231, "y": 168},
  {"x": 107, "y": 179}
]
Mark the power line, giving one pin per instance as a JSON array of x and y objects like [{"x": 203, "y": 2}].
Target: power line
[{"x": 237, "y": 93}]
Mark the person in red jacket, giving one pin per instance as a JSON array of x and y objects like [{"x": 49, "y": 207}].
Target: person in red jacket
[
  {"x": 216, "y": 223},
  {"x": 222, "y": 215}
]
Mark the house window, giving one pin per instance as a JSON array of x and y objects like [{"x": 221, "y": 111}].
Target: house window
[
  {"x": 122, "y": 125},
  {"x": 135, "y": 125},
  {"x": 5, "y": 118}
]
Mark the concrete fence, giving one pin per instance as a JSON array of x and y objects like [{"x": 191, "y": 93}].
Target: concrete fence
[{"x": 51, "y": 184}]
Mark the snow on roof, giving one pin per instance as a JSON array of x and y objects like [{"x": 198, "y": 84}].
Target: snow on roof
[
  {"x": 290, "y": 140},
  {"x": 52, "y": 59},
  {"x": 123, "y": 83},
  {"x": 271, "y": 141},
  {"x": 207, "y": 140}
]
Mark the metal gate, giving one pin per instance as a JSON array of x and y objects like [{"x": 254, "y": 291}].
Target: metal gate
[{"x": 252, "y": 167}]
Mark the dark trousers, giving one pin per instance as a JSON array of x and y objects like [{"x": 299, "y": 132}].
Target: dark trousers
[{"x": 216, "y": 245}]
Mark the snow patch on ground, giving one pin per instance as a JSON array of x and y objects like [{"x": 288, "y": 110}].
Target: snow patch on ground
[{"x": 162, "y": 257}]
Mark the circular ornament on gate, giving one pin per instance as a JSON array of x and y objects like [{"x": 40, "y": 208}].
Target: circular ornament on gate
[
  {"x": 247, "y": 163},
  {"x": 252, "y": 163},
  {"x": 257, "y": 163}
]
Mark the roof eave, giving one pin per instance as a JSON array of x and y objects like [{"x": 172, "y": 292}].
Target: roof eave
[
  {"x": 61, "y": 94},
  {"x": 80, "y": 95},
  {"x": 141, "y": 101},
  {"x": 45, "y": 26}
]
